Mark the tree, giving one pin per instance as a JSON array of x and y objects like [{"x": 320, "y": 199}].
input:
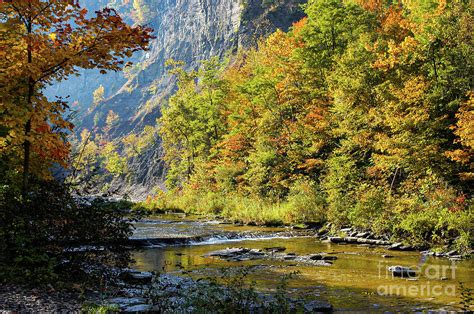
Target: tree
[
  {"x": 110, "y": 121},
  {"x": 98, "y": 96},
  {"x": 464, "y": 130},
  {"x": 190, "y": 124},
  {"x": 142, "y": 11},
  {"x": 43, "y": 42}
]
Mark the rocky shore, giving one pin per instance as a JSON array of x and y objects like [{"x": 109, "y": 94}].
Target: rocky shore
[
  {"x": 21, "y": 299},
  {"x": 353, "y": 236}
]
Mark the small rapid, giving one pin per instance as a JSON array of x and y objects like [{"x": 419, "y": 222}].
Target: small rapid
[
  {"x": 355, "y": 278},
  {"x": 154, "y": 233}
]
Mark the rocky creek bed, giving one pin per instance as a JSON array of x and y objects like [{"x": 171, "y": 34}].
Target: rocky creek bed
[
  {"x": 21, "y": 299},
  {"x": 344, "y": 268},
  {"x": 187, "y": 251},
  {"x": 168, "y": 293}
]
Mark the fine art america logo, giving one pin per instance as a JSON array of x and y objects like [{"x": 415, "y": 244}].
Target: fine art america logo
[{"x": 420, "y": 281}]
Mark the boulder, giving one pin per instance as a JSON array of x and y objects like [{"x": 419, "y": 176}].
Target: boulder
[
  {"x": 317, "y": 307},
  {"x": 139, "y": 308},
  {"x": 402, "y": 271},
  {"x": 229, "y": 252},
  {"x": 400, "y": 247},
  {"x": 136, "y": 277},
  {"x": 126, "y": 302},
  {"x": 351, "y": 239},
  {"x": 329, "y": 258},
  {"x": 396, "y": 246},
  {"x": 362, "y": 234},
  {"x": 322, "y": 257},
  {"x": 336, "y": 239},
  {"x": 316, "y": 257}
]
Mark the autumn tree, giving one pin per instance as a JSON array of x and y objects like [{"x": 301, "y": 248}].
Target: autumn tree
[
  {"x": 97, "y": 97},
  {"x": 190, "y": 124},
  {"x": 43, "y": 42},
  {"x": 464, "y": 131}
]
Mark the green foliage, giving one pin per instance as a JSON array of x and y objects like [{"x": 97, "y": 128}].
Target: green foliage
[
  {"x": 99, "y": 309},
  {"x": 190, "y": 123},
  {"x": 359, "y": 115},
  {"x": 115, "y": 164},
  {"x": 51, "y": 237}
]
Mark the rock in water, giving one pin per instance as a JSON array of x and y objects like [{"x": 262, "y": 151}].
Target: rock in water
[
  {"x": 336, "y": 239},
  {"x": 402, "y": 271},
  {"x": 400, "y": 247},
  {"x": 275, "y": 249}
]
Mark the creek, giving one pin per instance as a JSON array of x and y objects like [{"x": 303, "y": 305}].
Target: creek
[{"x": 357, "y": 280}]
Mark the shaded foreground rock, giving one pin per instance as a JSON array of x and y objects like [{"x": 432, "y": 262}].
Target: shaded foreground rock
[
  {"x": 173, "y": 294},
  {"x": 124, "y": 302},
  {"x": 246, "y": 254},
  {"x": 136, "y": 277},
  {"x": 18, "y": 299},
  {"x": 139, "y": 308}
]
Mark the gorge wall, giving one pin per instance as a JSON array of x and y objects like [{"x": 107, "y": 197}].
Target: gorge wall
[{"x": 185, "y": 30}]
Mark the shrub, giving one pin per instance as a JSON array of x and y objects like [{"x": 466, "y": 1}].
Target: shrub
[
  {"x": 49, "y": 235},
  {"x": 370, "y": 209}
]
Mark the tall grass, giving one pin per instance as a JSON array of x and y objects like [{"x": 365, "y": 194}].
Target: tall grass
[{"x": 239, "y": 208}]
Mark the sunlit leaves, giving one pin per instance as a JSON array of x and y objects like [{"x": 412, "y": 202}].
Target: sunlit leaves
[
  {"x": 366, "y": 99},
  {"x": 41, "y": 43}
]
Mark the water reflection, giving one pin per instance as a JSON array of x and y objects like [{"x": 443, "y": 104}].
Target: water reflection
[{"x": 354, "y": 281}]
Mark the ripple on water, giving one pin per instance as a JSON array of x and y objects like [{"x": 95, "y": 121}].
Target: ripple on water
[{"x": 353, "y": 282}]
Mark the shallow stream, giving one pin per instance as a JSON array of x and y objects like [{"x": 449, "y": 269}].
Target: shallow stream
[{"x": 357, "y": 280}]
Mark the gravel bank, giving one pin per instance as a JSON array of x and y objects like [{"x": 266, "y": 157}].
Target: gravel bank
[{"x": 20, "y": 299}]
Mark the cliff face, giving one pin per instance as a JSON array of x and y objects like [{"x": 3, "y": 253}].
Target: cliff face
[{"x": 185, "y": 30}]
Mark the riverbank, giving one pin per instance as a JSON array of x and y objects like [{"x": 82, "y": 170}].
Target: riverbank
[
  {"x": 407, "y": 231},
  {"x": 23, "y": 299}
]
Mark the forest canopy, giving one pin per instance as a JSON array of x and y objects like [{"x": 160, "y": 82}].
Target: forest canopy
[{"x": 360, "y": 115}]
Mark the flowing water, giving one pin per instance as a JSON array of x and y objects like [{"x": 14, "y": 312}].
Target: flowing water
[{"x": 357, "y": 280}]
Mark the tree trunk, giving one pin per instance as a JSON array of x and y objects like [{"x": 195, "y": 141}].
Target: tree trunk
[
  {"x": 26, "y": 159},
  {"x": 27, "y": 143}
]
